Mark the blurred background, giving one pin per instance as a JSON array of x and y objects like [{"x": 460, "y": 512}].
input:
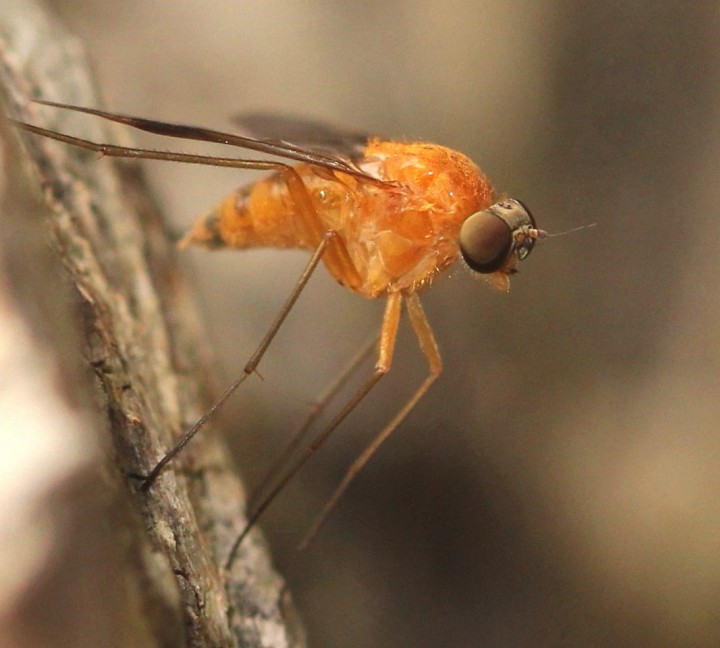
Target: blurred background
[{"x": 558, "y": 486}]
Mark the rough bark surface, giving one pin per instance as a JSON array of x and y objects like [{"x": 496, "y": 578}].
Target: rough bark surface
[{"x": 105, "y": 294}]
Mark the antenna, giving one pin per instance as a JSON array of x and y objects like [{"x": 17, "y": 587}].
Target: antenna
[{"x": 570, "y": 231}]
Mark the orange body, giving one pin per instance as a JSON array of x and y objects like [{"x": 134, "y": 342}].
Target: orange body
[
  {"x": 398, "y": 236},
  {"x": 397, "y": 215}
]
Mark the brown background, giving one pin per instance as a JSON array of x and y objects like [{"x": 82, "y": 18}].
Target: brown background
[{"x": 559, "y": 485}]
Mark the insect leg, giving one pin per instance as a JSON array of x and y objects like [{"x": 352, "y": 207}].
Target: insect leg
[
  {"x": 386, "y": 346},
  {"x": 249, "y": 367},
  {"x": 428, "y": 346},
  {"x": 111, "y": 150},
  {"x": 317, "y": 408},
  {"x": 328, "y": 243},
  {"x": 338, "y": 258},
  {"x": 198, "y": 133},
  {"x": 329, "y": 246}
]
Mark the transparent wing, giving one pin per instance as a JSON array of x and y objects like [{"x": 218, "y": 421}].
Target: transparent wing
[{"x": 307, "y": 134}]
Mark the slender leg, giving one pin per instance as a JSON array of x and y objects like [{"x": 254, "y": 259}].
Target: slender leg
[
  {"x": 315, "y": 411},
  {"x": 427, "y": 343},
  {"x": 111, "y": 150},
  {"x": 249, "y": 367},
  {"x": 337, "y": 258},
  {"x": 386, "y": 346},
  {"x": 330, "y": 248},
  {"x": 306, "y": 212},
  {"x": 198, "y": 133},
  {"x": 329, "y": 244}
]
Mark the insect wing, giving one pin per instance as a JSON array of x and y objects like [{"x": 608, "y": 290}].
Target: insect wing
[
  {"x": 304, "y": 134},
  {"x": 278, "y": 148}
]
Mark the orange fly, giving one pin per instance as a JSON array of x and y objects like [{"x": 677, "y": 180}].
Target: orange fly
[{"x": 385, "y": 218}]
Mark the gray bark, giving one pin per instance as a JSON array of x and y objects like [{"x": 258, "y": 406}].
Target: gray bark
[{"x": 104, "y": 363}]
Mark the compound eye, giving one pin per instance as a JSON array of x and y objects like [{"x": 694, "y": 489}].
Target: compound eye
[{"x": 486, "y": 241}]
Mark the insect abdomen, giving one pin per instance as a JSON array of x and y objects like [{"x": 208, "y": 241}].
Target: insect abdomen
[{"x": 261, "y": 215}]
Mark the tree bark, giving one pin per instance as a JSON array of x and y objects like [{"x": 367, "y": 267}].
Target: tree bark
[{"x": 104, "y": 363}]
